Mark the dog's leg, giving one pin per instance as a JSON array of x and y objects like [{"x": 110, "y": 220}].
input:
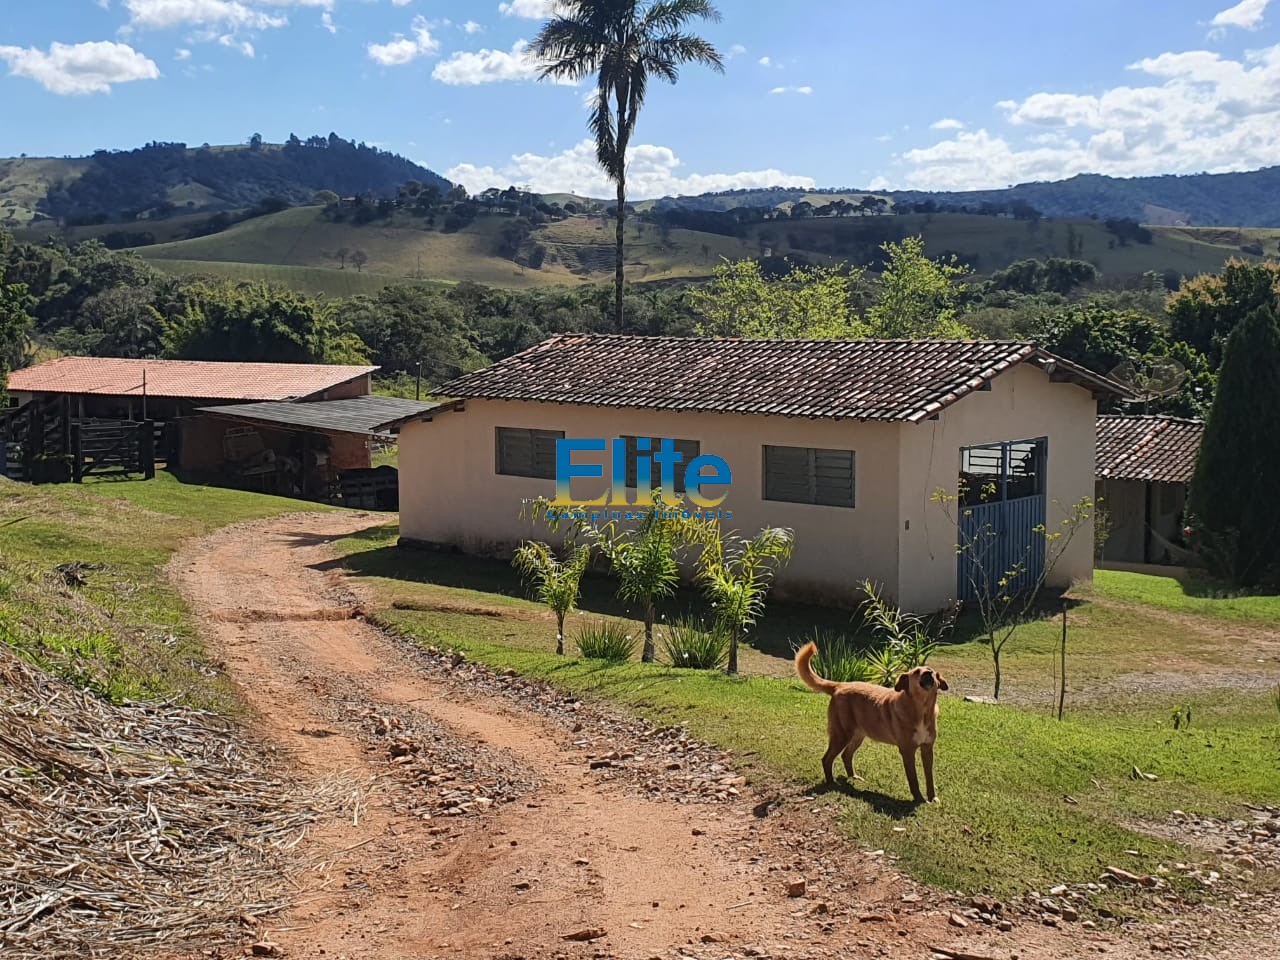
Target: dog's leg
[
  {"x": 836, "y": 740},
  {"x": 909, "y": 764},
  {"x": 926, "y": 761},
  {"x": 847, "y": 756}
]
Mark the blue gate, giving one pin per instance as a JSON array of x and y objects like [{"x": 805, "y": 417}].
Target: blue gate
[{"x": 1001, "y": 548}]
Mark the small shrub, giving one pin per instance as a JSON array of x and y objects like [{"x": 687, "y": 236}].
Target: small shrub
[
  {"x": 840, "y": 657},
  {"x": 689, "y": 644},
  {"x": 606, "y": 640}
]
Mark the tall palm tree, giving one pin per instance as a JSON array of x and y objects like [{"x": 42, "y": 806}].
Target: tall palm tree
[{"x": 622, "y": 42}]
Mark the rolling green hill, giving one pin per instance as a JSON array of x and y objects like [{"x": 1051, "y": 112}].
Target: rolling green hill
[
  {"x": 124, "y": 186},
  {"x": 301, "y": 247}
]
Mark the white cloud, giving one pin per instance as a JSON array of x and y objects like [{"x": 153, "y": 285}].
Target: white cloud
[
  {"x": 1247, "y": 15},
  {"x": 182, "y": 53},
  {"x": 471, "y": 27},
  {"x": 232, "y": 42},
  {"x": 652, "y": 171},
  {"x": 404, "y": 49},
  {"x": 947, "y": 123},
  {"x": 326, "y": 21},
  {"x": 401, "y": 3},
  {"x": 232, "y": 14},
  {"x": 1197, "y": 111},
  {"x": 736, "y": 50},
  {"x": 80, "y": 68},
  {"x": 765, "y": 61},
  {"x": 529, "y": 9},
  {"x": 803, "y": 91},
  {"x": 468, "y": 68}
]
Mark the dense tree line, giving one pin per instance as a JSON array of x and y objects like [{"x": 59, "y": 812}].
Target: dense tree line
[
  {"x": 121, "y": 186},
  {"x": 88, "y": 299}
]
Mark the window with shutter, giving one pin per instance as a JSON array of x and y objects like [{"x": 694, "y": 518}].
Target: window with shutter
[
  {"x": 809, "y": 475},
  {"x": 527, "y": 453},
  {"x": 688, "y": 449}
]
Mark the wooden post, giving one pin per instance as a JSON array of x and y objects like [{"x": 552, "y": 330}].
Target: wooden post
[
  {"x": 1062, "y": 664},
  {"x": 147, "y": 448},
  {"x": 77, "y": 454},
  {"x": 66, "y": 425}
]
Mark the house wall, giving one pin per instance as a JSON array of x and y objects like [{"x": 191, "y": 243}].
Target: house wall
[
  {"x": 361, "y": 386},
  {"x": 450, "y": 494},
  {"x": 1022, "y": 404},
  {"x": 1125, "y": 504}
]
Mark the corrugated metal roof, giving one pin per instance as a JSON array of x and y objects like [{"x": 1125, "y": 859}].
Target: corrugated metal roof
[
  {"x": 902, "y": 380},
  {"x": 1156, "y": 448},
  {"x": 367, "y": 416},
  {"x": 198, "y": 379}
]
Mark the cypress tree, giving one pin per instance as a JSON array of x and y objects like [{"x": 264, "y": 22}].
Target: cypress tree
[{"x": 1234, "y": 504}]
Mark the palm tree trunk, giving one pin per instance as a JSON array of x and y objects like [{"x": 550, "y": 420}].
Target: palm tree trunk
[
  {"x": 619, "y": 279},
  {"x": 560, "y": 634},
  {"x": 732, "y": 668}
]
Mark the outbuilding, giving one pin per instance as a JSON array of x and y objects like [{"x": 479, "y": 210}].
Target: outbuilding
[
  {"x": 846, "y": 442},
  {"x": 1144, "y": 470}
]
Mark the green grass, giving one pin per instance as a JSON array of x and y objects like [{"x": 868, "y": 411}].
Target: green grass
[
  {"x": 1005, "y": 773},
  {"x": 1200, "y": 597},
  {"x": 313, "y": 280},
  {"x": 124, "y": 634}
]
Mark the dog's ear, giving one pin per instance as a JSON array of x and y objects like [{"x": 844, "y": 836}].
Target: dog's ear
[
  {"x": 942, "y": 682},
  {"x": 904, "y": 681}
]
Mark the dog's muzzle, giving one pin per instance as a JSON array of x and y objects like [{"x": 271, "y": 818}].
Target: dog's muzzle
[{"x": 926, "y": 680}]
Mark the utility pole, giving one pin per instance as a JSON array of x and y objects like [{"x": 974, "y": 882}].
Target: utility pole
[{"x": 418, "y": 392}]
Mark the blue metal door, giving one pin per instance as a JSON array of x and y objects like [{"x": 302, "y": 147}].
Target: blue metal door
[{"x": 1001, "y": 547}]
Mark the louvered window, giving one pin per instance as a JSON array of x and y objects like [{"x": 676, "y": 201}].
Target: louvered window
[
  {"x": 688, "y": 449},
  {"x": 527, "y": 453},
  {"x": 808, "y": 475}
]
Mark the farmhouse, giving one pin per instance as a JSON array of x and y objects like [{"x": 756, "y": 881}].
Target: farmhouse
[
  {"x": 1144, "y": 467},
  {"x": 846, "y": 442}
]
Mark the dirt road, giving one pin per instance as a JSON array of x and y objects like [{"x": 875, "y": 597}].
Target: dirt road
[{"x": 502, "y": 822}]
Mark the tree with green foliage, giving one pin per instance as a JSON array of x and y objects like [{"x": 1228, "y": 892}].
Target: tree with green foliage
[
  {"x": 554, "y": 581},
  {"x": 918, "y": 298},
  {"x": 15, "y": 327},
  {"x": 404, "y": 326},
  {"x": 1232, "y": 506},
  {"x": 807, "y": 302},
  {"x": 1206, "y": 309},
  {"x": 736, "y": 573},
  {"x": 624, "y": 43},
  {"x": 645, "y": 559},
  {"x": 259, "y": 322}
]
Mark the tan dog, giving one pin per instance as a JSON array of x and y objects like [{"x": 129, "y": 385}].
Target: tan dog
[{"x": 906, "y": 716}]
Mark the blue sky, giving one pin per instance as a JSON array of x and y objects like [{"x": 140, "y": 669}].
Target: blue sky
[{"x": 930, "y": 94}]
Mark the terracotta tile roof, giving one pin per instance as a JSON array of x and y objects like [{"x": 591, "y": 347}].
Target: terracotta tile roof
[
  {"x": 1162, "y": 449},
  {"x": 204, "y": 380},
  {"x": 903, "y": 380}
]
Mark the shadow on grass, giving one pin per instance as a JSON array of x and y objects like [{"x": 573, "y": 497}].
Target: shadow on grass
[
  {"x": 784, "y": 627},
  {"x": 895, "y": 808}
]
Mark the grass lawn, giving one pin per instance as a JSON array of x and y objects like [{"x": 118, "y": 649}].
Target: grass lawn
[
  {"x": 123, "y": 633},
  {"x": 1199, "y": 597},
  {"x": 1028, "y": 802}
]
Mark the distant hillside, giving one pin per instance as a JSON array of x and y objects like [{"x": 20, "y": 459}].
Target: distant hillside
[
  {"x": 162, "y": 179},
  {"x": 1220, "y": 199},
  {"x": 306, "y": 249}
]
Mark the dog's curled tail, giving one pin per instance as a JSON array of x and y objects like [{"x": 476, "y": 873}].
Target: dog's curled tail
[{"x": 805, "y": 672}]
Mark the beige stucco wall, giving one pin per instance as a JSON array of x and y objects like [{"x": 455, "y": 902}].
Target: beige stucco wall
[
  {"x": 451, "y": 495},
  {"x": 1023, "y": 404}
]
